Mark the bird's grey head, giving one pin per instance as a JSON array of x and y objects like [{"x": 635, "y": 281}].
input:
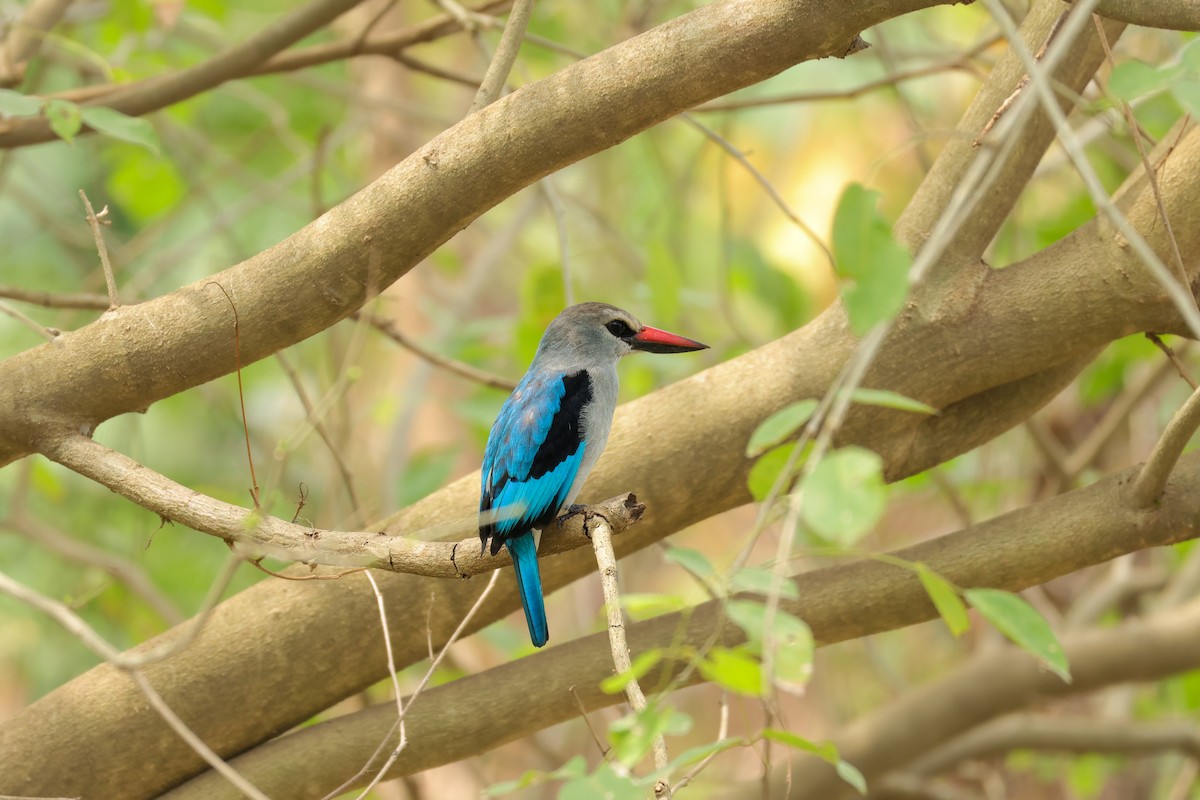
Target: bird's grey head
[{"x": 592, "y": 335}]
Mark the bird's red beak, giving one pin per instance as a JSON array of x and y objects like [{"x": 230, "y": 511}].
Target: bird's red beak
[{"x": 652, "y": 340}]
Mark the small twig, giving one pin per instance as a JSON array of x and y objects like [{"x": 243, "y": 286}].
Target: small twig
[
  {"x": 606, "y": 561},
  {"x": 314, "y": 419},
  {"x": 1152, "y": 479},
  {"x": 76, "y": 626},
  {"x": 399, "y": 723},
  {"x": 1151, "y": 172},
  {"x": 127, "y": 572},
  {"x": 506, "y": 55},
  {"x": 49, "y": 334},
  {"x": 762, "y": 181},
  {"x": 600, "y": 745},
  {"x": 95, "y": 220},
  {"x": 546, "y": 187},
  {"x": 389, "y": 329},
  {"x": 54, "y": 300},
  {"x": 722, "y": 732},
  {"x": 958, "y": 62},
  {"x": 237, "y": 362},
  {"x": 1170, "y": 353},
  {"x": 1021, "y": 84}
]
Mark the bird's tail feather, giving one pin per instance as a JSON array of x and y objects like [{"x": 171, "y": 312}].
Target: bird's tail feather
[{"x": 529, "y": 583}]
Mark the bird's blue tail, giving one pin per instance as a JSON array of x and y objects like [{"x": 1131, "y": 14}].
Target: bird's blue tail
[{"x": 529, "y": 583}]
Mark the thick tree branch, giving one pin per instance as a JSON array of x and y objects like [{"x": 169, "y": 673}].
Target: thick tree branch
[
  {"x": 256, "y": 534},
  {"x": 1014, "y": 551},
  {"x": 1155, "y": 473},
  {"x": 1120, "y": 737},
  {"x": 996, "y": 682},
  {"x": 1178, "y": 15}
]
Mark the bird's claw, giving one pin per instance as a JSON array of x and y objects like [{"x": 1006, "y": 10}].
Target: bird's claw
[{"x": 575, "y": 510}]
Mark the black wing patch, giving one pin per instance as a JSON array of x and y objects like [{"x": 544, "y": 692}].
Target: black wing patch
[{"x": 564, "y": 436}]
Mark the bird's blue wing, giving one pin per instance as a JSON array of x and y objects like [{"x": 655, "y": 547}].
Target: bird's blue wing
[{"x": 533, "y": 454}]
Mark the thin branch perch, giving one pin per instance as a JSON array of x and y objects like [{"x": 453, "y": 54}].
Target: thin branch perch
[{"x": 258, "y": 534}]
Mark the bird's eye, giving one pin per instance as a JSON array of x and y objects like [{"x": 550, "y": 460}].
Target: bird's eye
[{"x": 618, "y": 328}]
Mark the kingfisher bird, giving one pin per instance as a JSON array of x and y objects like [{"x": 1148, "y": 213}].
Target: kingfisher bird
[{"x": 551, "y": 431}]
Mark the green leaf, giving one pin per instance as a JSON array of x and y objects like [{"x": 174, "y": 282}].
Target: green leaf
[
  {"x": 845, "y": 495},
  {"x": 945, "y": 599},
  {"x": 64, "y": 119},
  {"x": 761, "y": 581},
  {"x": 633, "y": 735},
  {"x": 887, "y": 399},
  {"x": 768, "y": 469},
  {"x": 643, "y": 605},
  {"x": 792, "y": 666},
  {"x": 826, "y": 751},
  {"x": 780, "y": 426},
  {"x": 793, "y": 645},
  {"x": 1190, "y": 57},
  {"x": 693, "y": 561},
  {"x": 111, "y": 122},
  {"x": 640, "y": 666},
  {"x": 694, "y": 754},
  {"x": 1021, "y": 623},
  {"x": 872, "y": 266},
  {"x": 1187, "y": 94},
  {"x": 604, "y": 784},
  {"x": 736, "y": 670},
  {"x": 15, "y": 104},
  {"x": 1132, "y": 79}
]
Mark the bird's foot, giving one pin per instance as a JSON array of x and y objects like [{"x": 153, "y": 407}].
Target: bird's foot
[{"x": 574, "y": 510}]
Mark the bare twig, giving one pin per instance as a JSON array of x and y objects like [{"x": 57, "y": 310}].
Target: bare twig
[
  {"x": 318, "y": 424},
  {"x": 237, "y": 363},
  {"x": 959, "y": 62},
  {"x": 399, "y": 723},
  {"x": 506, "y": 55},
  {"x": 606, "y": 561},
  {"x": 95, "y": 220},
  {"x": 75, "y": 625},
  {"x": 389, "y": 329},
  {"x": 762, "y": 181},
  {"x": 1174, "y": 359},
  {"x": 49, "y": 334},
  {"x": 123, "y": 570},
  {"x": 54, "y": 299}
]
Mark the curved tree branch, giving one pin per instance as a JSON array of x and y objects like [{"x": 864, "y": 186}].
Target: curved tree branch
[{"x": 255, "y": 534}]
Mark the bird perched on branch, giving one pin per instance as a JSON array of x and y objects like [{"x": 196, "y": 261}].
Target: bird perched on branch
[{"x": 552, "y": 430}]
